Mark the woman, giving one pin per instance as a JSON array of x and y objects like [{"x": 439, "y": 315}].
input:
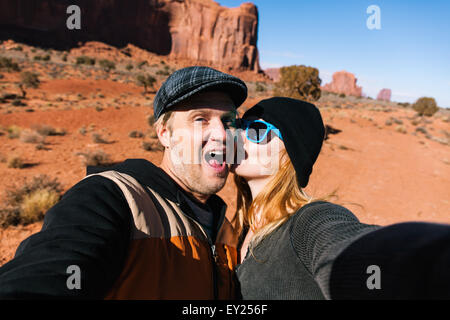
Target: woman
[{"x": 282, "y": 139}]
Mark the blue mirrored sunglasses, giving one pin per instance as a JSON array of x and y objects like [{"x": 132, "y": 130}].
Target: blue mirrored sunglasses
[{"x": 257, "y": 130}]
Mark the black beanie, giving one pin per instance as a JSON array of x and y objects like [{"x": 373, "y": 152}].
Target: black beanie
[{"x": 301, "y": 127}]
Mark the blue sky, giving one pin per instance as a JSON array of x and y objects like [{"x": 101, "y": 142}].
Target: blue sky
[{"x": 410, "y": 54}]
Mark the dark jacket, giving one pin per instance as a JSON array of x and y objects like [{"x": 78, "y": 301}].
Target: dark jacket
[
  {"x": 295, "y": 260},
  {"x": 323, "y": 251},
  {"x": 131, "y": 233}
]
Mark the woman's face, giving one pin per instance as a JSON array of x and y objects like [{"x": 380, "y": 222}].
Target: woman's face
[{"x": 257, "y": 160}]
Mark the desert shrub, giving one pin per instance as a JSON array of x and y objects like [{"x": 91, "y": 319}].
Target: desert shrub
[
  {"x": 403, "y": 104},
  {"x": 129, "y": 66},
  {"x": 400, "y": 129},
  {"x": 260, "y": 87},
  {"x": 141, "y": 64},
  {"x": 64, "y": 57},
  {"x": 397, "y": 121},
  {"x": 41, "y": 146},
  {"x": 18, "y": 103},
  {"x": 425, "y": 106},
  {"x": 145, "y": 81},
  {"x": 299, "y": 82},
  {"x": 14, "y": 132},
  {"x": 10, "y": 96},
  {"x": 98, "y": 109},
  {"x": 35, "y": 205},
  {"x": 422, "y": 130},
  {"x": 152, "y": 134},
  {"x": 28, "y": 80},
  {"x": 165, "y": 71},
  {"x": 136, "y": 134},
  {"x": 82, "y": 130},
  {"x": 29, "y": 136},
  {"x": 15, "y": 163},
  {"x": 30, "y": 201},
  {"x": 342, "y": 95},
  {"x": 97, "y": 138},
  {"x": 152, "y": 146},
  {"x": 8, "y": 65},
  {"x": 96, "y": 158},
  {"x": 107, "y": 65},
  {"x": 42, "y": 58},
  {"x": 151, "y": 120},
  {"x": 388, "y": 122},
  {"x": 46, "y": 130},
  {"x": 147, "y": 146},
  {"x": 85, "y": 60}
]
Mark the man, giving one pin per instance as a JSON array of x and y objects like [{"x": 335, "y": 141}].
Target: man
[{"x": 137, "y": 231}]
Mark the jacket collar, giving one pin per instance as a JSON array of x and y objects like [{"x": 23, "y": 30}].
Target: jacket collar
[{"x": 154, "y": 177}]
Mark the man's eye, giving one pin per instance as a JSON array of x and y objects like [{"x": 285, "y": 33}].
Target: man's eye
[{"x": 199, "y": 119}]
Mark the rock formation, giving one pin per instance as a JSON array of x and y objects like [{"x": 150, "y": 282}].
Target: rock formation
[
  {"x": 198, "y": 30},
  {"x": 343, "y": 82},
  {"x": 384, "y": 95}
]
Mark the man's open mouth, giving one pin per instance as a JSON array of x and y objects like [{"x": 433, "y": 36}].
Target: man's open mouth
[{"x": 215, "y": 159}]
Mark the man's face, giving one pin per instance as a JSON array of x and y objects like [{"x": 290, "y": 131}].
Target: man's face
[{"x": 197, "y": 145}]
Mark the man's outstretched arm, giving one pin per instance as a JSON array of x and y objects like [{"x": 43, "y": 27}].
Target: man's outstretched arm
[{"x": 89, "y": 228}]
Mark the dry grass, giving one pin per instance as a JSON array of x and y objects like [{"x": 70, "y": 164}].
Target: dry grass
[
  {"x": 14, "y": 132},
  {"x": 35, "y": 205},
  {"x": 96, "y": 158},
  {"x": 29, "y": 136},
  {"x": 46, "y": 130},
  {"x": 15, "y": 162},
  {"x": 30, "y": 201},
  {"x": 97, "y": 138},
  {"x": 136, "y": 134}
]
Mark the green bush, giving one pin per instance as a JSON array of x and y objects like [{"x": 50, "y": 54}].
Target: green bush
[
  {"x": 85, "y": 60},
  {"x": 42, "y": 58},
  {"x": 28, "y": 80},
  {"x": 8, "y": 65},
  {"x": 300, "y": 82},
  {"x": 107, "y": 65},
  {"x": 145, "y": 81},
  {"x": 425, "y": 106},
  {"x": 260, "y": 87}
]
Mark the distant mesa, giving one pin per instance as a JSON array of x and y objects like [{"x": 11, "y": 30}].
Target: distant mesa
[
  {"x": 200, "y": 31},
  {"x": 343, "y": 82},
  {"x": 384, "y": 95}
]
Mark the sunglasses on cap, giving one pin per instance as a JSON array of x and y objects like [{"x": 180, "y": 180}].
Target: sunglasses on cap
[{"x": 257, "y": 130}]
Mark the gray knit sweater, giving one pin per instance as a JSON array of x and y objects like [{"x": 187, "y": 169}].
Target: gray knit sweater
[{"x": 294, "y": 262}]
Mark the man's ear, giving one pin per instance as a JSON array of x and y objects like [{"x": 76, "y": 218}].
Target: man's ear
[{"x": 163, "y": 133}]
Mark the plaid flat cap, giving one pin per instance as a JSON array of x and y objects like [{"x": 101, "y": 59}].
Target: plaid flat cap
[{"x": 185, "y": 82}]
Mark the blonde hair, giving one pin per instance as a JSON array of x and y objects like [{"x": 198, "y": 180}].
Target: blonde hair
[{"x": 277, "y": 202}]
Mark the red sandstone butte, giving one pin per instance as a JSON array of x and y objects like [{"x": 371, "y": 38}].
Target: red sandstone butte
[
  {"x": 197, "y": 30},
  {"x": 343, "y": 82},
  {"x": 384, "y": 95}
]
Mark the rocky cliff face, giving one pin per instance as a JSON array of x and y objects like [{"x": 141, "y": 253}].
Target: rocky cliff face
[
  {"x": 384, "y": 95},
  {"x": 197, "y": 30},
  {"x": 343, "y": 82}
]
